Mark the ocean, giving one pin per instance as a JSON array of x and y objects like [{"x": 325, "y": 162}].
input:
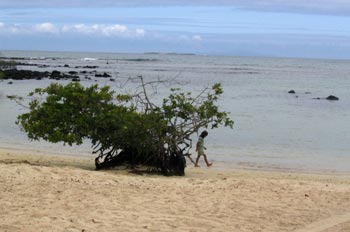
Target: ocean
[{"x": 273, "y": 129}]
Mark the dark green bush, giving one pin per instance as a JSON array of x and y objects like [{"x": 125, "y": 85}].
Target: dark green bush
[{"x": 123, "y": 128}]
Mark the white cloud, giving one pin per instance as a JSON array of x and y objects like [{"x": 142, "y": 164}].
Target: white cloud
[
  {"x": 189, "y": 38},
  {"x": 102, "y": 30},
  {"x": 80, "y": 28},
  {"x": 140, "y": 32},
  {"x": 116, "y": 29},
  {"x": 11, "y": 29},
  {"x": 46, "y": 28},
  {"x": 96, "y": 30},
  {"x": 197, "y": 37}
]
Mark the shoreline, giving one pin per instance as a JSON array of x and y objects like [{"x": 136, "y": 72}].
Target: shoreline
[
  {"x": 218, "y": 165},
  {"x": 44, "y": 192}
]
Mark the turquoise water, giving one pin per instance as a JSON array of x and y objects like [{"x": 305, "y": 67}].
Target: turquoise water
[{"x": 273, "y": 129}]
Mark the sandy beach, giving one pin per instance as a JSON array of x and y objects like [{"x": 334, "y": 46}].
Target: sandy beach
[{"x": 47, "y": 193}]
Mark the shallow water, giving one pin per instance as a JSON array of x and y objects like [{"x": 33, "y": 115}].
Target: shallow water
[{"x": 273, "y": 129}]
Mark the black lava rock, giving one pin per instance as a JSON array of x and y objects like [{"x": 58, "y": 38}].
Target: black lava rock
[{"x": 332, "y": 98}]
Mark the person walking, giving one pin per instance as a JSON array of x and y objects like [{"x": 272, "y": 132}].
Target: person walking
[{"x": 200, "y": 149}]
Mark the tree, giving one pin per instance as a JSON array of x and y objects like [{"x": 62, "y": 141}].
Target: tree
[{"x": 124, "y": 127}]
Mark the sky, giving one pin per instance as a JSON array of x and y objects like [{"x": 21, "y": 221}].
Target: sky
[{"x": 272, "y": 28}]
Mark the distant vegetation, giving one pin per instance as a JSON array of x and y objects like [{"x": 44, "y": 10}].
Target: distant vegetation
[
  {"x": 124, "y": 128},
  {"x": 5, "y": 65}
]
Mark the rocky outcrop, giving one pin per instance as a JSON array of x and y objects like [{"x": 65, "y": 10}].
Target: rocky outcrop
[
  {"x": 15, "y": 74},
  {"x": 102, "y": 75},
  {"x": 332, "y": 98},
  {"x": 87, "y": 66}
]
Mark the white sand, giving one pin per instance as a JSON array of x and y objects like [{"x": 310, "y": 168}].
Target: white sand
[{"x": 43, "y": 193}]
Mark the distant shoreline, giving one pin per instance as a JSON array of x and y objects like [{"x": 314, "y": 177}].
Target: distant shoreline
[{"x": 172, "y": 53}]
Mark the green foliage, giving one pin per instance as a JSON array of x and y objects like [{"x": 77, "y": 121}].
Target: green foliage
[
  {"x": 2, "y": 75},
  {"x": 7, "y": 65},
  {"x": 192, "y": 113},
  {"x": 117, "y": 123},
  {"x": 68, "y": 113}
]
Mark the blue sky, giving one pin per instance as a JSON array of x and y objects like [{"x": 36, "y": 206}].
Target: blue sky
[{"x": 294, "y": 28}]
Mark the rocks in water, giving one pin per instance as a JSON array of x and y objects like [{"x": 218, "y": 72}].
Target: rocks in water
[
  {"x": 15, "y": 74},
  {"x": 10, "y": 82},
  {"x": 84, "y": 72},
  {"x": 102, "y": 75},
  {"x": 73, "y": 72},
  {"x": 87, "y": 66},
  {"x": 43, "y": 66},
  {"x": 55, "y": 74},
  {"x": 58, "y": 75},
  {"x": 332, "y": 98}
]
